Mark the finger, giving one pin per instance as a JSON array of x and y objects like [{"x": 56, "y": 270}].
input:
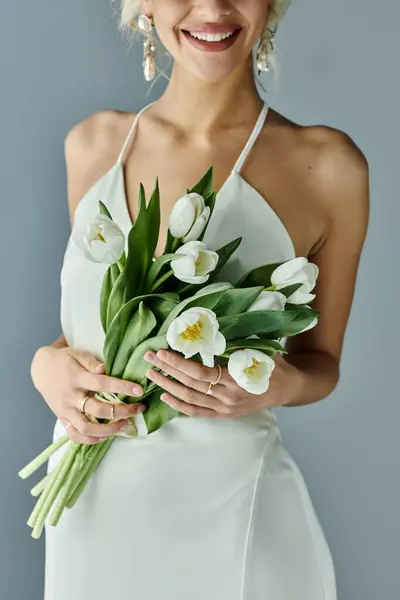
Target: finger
[
  {"x": 103, "y": 410},
  {"x": 106, "y": 383},
  {"x": 191, "y": 368},
  {"x": 196, "y": 384},
  {"x": 190, "y": 409},
  {"x": 90, "y": 429},
  {"x": 88, "y": 361},
  {"x": 189, "y": 395},
  {"x": 75, "y": 436}
]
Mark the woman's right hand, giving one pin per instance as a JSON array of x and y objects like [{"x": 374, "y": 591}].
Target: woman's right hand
[{"x": 62, "y": 375}]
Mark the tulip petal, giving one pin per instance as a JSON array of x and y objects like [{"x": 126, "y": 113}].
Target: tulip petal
[
  {"x": 182, "y": 217},
  {"x": 269, "y": 300},
  {"x": 299, "y": 297},
  {"x": 287, "y": 270}
]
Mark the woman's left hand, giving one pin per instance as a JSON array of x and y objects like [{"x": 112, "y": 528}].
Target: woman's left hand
[{"x": 187, "y": 391}]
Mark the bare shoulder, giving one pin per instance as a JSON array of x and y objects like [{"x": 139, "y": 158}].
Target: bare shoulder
[
  {"x": 338, "y": 172},
  {"x": 91, "y": 147},
  {"x": 332, "y": 175}
]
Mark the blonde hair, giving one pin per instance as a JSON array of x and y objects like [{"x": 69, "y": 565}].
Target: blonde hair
[{"x": 130, "y": 9}]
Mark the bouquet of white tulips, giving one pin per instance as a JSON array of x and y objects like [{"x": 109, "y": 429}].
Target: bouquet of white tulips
[{"x": 149, "y": 303}]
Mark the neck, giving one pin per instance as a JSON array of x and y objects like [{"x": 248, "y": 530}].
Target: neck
[{"x": 199, "y": 106}]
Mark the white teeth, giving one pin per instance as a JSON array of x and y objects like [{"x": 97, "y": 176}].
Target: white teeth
[{"x": 211, "y": 37}]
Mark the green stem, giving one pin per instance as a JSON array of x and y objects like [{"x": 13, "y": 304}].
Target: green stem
[
  {"x": 37, "y": 462},
  {"x": 55, "y": 488},
  {"x": 175, "y": 244},
  {"x": 68, "y": 486},
  {"x": 272, "y": 288},
  {"x": 39, "y": 487},
  {"x": 91, "y": 464},
  {"x": 161, "y": 280},
  {"x": 150, "y": 389},
  {"x": 52, "y": 476}
]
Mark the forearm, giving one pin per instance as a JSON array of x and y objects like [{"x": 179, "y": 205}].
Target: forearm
[
  {"x": 60, "y": 342},
  {"x": 315, "y": 377}
]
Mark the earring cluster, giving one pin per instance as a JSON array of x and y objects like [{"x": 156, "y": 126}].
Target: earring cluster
[
  {"x": 266, "y": 46},
  {"x": 145, "y": 25}
]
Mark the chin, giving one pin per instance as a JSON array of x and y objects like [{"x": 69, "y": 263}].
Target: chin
[{"x": 212, "y": 75}]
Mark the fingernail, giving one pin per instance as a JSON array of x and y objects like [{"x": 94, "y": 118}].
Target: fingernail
[
  {"x": 100, "y": 367},
  {"x": 137, "y": 390},
  {"x": 150, "y": 374},
  {"x": 150, "y": 356},
  {"x": 161, "y": 354},
  {"x": 123, "y": 423},
  {"x": 141, "y": 408}
]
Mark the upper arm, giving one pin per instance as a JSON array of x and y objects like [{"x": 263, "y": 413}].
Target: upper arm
[{"x": 343, "y": 185}]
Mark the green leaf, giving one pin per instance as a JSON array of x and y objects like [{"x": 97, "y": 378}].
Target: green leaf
[
  {"x": 153, "y": 222},
  {"x": 136, "y": 367},
  {"x": 158, "y": 413},
  {"x": 142, "y": 241},
  {"x": 236, "y": 301},
  {"x": 277, "y": 323},
  {"x": 162, "y": 306},
  {"x": 205, "y": 301},
  {"x": 289, "y": 290},
  {"x": 156, "y": 267},
  {"x": 117, "y": 328},
  {"x": 104, "y": 210},
  {"x": 258, "y": 276},
  {"x": 224, "y": 255},
  {"x": 139, "y": 328},
  {"x": 109, "y": 280},
  {"x": 204, "y": 186},
  {"x": 210, "y": 202},
  {"x": 169, "y": 243},
  {"x": 117, "y": 298},
  {"x": 271, "y": 347},
  {"x": 141, "y": 200}
]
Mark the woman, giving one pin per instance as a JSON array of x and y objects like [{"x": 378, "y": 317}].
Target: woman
[{"x": 213, "y": 506}]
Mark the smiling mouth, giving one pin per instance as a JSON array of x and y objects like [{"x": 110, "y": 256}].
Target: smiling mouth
[{"x": 212, "y": 41}]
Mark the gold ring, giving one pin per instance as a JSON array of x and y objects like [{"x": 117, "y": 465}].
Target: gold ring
[
  {"x": 219, "y": 375},
  {"x": 212, "y": 383},
  {"x": 81, "y": 403},
  {"x": 112, "y": 412}
]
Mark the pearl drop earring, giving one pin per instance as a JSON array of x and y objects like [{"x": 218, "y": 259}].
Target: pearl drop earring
[
  {"x": 145, "y": 25},
  {"x": 266, "y": 45}
]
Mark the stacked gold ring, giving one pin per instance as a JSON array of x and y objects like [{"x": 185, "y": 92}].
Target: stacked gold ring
[
  {"x": 212, "y": 383},
  {"x": 81, "y": 403}
]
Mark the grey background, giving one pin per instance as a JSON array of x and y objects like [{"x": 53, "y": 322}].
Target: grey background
[{"x": 62, "y": 61}]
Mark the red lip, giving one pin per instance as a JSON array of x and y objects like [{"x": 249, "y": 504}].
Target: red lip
[{"x": 212, "y": 28}]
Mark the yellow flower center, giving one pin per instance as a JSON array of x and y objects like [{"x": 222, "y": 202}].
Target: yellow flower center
[
  {"x": 192, "y": 332},
  {"x": 100, "y": 237},
  {"x": 250, "y": 370}
]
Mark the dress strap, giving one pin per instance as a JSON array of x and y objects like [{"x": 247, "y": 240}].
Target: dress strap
[
  {"x": 130, "y": 132},
  {"x": 253, "y": 136}
]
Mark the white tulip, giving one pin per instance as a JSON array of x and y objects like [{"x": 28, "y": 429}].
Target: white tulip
[
  {"x": 197, "y": 330},
  {"x": 194, "y": 263},
  {"x": 297, "y": 270},
  {"x": 101, "y": 241},
  {"x": 268, "y": 301},
  {"x": 189, "y": 217},
  {"x": 311, "y": 325},
  {"x": 219, "y": 286},
  {"x": 251, "y": 369}
]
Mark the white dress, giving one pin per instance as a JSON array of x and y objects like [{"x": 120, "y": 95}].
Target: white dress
[{"x": 202, "y": 509}]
